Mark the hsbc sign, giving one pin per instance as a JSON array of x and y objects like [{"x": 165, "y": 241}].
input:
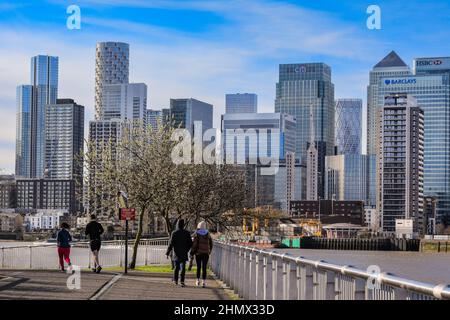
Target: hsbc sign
[
  {"x": 428, "y": 62},
  {"x": 432, "y": 64}
]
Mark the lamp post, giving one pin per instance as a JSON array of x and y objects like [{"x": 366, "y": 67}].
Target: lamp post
[{"x": 123, "y": 195}]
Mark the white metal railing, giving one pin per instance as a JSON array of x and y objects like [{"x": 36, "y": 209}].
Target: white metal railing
[
  {"x": 259, "y": 274},
  {"x": 112, "y": 254}
]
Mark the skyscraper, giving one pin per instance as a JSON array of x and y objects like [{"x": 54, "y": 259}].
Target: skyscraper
[
  {"x": 111, "y": 67},
  {"x": 239, "y": 143},
  {"x": 31, "y": 102},
  {"x": 65, "y": 140},
  {"x": 185, "y": 112},
  {"x": 400, "y": 145},
  {"x": 241, "y": 103},
  {"x": 390, "y": 66},
  {"x": 430, "y": 85},
  {"x": 346, "y": 177},
  {"x": 301, "y": 86},
  {"x": 348, "y": 127},
  {"x": 126, "y": 102},
  {"x": 312, "y": 167},
  {"x": 153, "y": 117}
]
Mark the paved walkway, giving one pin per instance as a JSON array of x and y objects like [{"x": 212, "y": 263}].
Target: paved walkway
[{"x": 44, "y": 285}]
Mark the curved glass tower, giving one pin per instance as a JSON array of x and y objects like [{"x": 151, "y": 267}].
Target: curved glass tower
[{"x": 348, "y": 126}]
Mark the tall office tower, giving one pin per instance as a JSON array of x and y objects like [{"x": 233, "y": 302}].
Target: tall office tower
[
  {"x": 31, "y": 101},
  {"x": 430, "y": 85},
  {"x": 185, "y": 112},
  {"x": 390, "y": 66},
  {"x": 312, "y": 166},
  {"x": 299, "y": 87},
  {"x": 348, "y": 127},
  {"x": 126, "y": 102},
  {"x": 248, "y": 136},
  {"x": 101, "y": 134},
  {"x": 153, "y": 117},
  {"x": 241, "y": 103},
  {"x": 65, "y": 140},
  {"x": 400, "y": 145},
  {"x": 111, "y": 67},
  {"x": 346, "y": 177}
]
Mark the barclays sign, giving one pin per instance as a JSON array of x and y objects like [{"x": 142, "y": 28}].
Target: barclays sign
[{"x": 400, "y": 81}]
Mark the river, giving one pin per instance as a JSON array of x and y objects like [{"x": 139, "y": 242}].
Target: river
[{"x": 425, "y": 267}]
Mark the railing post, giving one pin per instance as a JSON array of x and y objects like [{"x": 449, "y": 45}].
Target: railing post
[
  {"x": 146, "y": 254},
  {"x": 265, "y": 277},
  {"x": 286, "y": 284},
  {"x": 3, "y": 257},
  {"x": 257, "y": 274},
  {"x": 274, "y": 277},
  {"x": 31, "y": 257}
]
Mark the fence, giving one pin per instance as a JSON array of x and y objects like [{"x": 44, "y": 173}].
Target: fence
[
  {"x": 112, "y": 254},
  {"x": 259, "y": 274}
]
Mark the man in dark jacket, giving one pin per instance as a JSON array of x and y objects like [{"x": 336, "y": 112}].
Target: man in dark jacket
[
  {"x": 94, "y": 230},
  {"x": 180, "y": 242}
]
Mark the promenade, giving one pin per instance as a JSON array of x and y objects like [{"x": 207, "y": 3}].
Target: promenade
[{"x": 52, "y": 285}]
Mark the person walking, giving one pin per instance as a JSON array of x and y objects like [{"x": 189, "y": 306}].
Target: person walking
[
  {"x": 63, "y": 240},
  {"x": 201, "y": 249},
  {"x": 94, "y": 230},
  {"x": 180, "y": 243}
]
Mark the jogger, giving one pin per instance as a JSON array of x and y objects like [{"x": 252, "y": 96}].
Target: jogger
[
  {"x": 63, "y": 240},
  {"x": 94, "y": 230}
]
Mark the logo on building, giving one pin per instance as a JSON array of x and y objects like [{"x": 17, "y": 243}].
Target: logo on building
[
  {"x": 400, "y": 81},
  {"x": 428, "y": 63}
]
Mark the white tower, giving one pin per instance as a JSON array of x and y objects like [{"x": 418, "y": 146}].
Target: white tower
[{"x": 312, "y": 162}]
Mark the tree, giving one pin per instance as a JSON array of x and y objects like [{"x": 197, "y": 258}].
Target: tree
[{"x": 140, "y": 164}]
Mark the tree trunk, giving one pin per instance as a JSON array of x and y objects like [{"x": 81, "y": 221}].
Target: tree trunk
[{"x": 138, "y": 238}]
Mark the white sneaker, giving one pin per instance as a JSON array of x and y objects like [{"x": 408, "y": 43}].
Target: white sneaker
[{"x": 197, "y": 283}]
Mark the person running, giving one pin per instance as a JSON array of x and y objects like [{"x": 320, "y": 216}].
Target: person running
[
  {"x": 201, "y": 248},
  {"x": 63, "y": 240},
  {"x": 94, "y": 230},
  {"x": 180, "y": 243}
]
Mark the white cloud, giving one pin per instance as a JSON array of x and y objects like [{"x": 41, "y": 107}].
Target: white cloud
[{"x": 240, "y": 55}]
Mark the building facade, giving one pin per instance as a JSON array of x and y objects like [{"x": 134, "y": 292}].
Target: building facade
[
  {"x": 111, "y": 67},
  {"x": 64, "y": 140},
  {"x": 400, "y": 162},
  {"x": 153, "y": 118},
  {"x": 8, "y": 192},
  {"x": 251, "y": 136},
  {"x": 430, "y": 85},
  {"x": 346, "y": 177},
  {"x": 184, "y": 112},
  {"x": 126, "y": 102},
  {"x": 241, "y": 103},
  {"x": 44, "y": 220},
  {"x": 30, "y": 126},
  {"x": 390, "y": 66},
  {"x": 33, "y": 194},
  {"x": 348, "y": 126},
  {"x": 329, "y": 211}
]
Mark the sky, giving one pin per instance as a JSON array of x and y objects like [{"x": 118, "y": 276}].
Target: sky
[{"x": 205, "y": 49}]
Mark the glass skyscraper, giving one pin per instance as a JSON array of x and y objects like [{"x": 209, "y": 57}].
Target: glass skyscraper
[
  {"x": 185, "y": 112},
  {"x": 348, "y": 126},
  {"x": 302, "y": 87},
  {"x": 241, "y": 103},
  {"x": 430, "y": 85},
  {"x": 31, "y": 102}
]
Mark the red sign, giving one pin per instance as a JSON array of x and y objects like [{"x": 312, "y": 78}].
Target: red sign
[{"x": 127, "y": 214}]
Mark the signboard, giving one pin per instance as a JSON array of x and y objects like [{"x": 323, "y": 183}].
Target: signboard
[
  {"x": 432, "y": 64},
  {"x": 127, "y": 214}
]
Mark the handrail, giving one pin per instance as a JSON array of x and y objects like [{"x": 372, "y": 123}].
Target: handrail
[{"x": 440, "y": 291}]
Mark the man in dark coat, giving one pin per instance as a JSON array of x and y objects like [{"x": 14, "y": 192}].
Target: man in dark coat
[{"x": 180, "y": 242}]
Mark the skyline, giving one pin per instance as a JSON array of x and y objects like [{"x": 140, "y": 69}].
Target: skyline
[{"x": 213, "y": 60}]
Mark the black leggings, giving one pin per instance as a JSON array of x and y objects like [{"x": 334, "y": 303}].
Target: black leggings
[{"x": 202, "y": 263}]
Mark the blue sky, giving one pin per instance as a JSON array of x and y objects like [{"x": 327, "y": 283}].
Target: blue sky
[{"x": 204, "y": 49}]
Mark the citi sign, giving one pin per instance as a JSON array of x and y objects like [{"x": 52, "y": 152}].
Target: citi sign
[
  {"x": 424, "y": 63},
  {"x": 399, "y": 81}
]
